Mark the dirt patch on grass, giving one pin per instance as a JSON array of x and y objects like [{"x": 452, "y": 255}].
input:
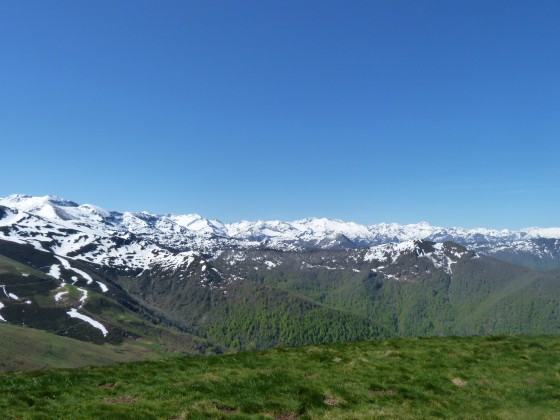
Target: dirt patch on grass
[
  {"x": 380, "y": 392},
  {"x": 459, "y": 382},
  {"x": 107, "y": 385},
  {"x": 332, "y": 401},
  {"x": 125, "y": 399}
]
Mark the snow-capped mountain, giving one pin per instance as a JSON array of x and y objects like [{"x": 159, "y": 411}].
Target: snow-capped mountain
[
  {"x": 403, "y": 261},
  {"x": 73, "y": 262},
  {"x": 139, "y": 240},
  {"x": 85, "y": 233}
]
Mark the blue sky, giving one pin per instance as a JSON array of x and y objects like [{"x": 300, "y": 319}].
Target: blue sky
[{"x": 371, "y": 111}]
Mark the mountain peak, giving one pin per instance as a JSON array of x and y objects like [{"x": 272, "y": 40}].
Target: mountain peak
[
  {"x": 16, "y": 197},
  {"x": 35, "y": 201}
]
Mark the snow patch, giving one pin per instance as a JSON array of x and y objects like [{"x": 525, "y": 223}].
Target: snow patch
[
  {"x": 55, "y": 271},
  {"x": 59, "y": 295},
  {"x": 270, "y": 264},
  {"x": 190, "y": 260},
  {"x": 96, "y": 324},
  {"x": 84, "y": 297},
  {"x": 388, "y": 252},
  {"x": 103, "y": 287},
  {"x": 9, "y": 295},
  {"x": 67, "y": 265},
  {"x": 441, "y": 255}
]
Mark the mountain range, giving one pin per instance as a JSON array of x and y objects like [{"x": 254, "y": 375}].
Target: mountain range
[
  {"x": 78, "y": 229},
  {"x": 199, "y": 285}
]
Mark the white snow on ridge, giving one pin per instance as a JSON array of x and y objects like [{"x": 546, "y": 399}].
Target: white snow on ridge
[
  {"x": 55, "y": 271},
  {"x": 194, "y": 222},
  {"x": 270, "y": 264},
  {"x": 103, "y": 287},
  {"x": 94, "y": 220},
  {"x": 388, "y": 252},
  {"x": 138, "y": 241},
  {"x": 83, "y": 298},
  {"x": 440, "y": 259},
  {"x": 441, "y": 256},
  {"x": 96, "y": 324},
  {"x": 1, "y": 317},
  {"x": 14, "y": 216},
  {"x": 9, "y": 295},
  {"x": 67, "y": 265},
  {"x": 59, "y": 295},
  {"x": 138, "y": 254},
  {"x": 535, "y": 232},
  {"x": 536, "y": 249}
]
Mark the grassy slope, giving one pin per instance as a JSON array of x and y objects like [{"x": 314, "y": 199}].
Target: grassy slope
[
  {"x": 7, "y": 265},
  {"x": 471, "y": 377},
  {"x": 28, "y": 349},
  {"x": 122, "y": 315}
]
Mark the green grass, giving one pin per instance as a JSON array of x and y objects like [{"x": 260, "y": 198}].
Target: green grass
[
  {"x": 469, "y": 377},
  {"x": 24, "y": 349},
  {"x": 7, "y": 265}
]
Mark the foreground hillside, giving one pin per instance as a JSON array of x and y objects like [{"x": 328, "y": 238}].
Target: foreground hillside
[
  {"x": 31, "y": 349},
  {"x": 474, "y": 377}
]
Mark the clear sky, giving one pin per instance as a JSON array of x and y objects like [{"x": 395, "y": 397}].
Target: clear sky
[{"x": 370, "y": 111}]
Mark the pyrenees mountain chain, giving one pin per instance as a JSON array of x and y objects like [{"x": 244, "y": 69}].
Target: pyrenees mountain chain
[
  {"x": 64, "y": 227},
  {"x": 199, "y": 285}
]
